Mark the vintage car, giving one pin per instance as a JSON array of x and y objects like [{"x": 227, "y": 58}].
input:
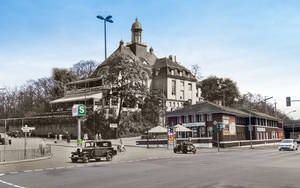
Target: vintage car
[
  {"x": 185, "y": 147},
  {"x": 93, "y": 150}
]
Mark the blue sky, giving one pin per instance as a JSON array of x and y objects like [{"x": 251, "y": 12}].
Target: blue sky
[{"x": 255, "y": 43}]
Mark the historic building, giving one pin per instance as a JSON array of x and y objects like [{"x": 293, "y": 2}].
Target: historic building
[
  {"x": 235, "y": 122},
  {"x": 166, "y": 76}
]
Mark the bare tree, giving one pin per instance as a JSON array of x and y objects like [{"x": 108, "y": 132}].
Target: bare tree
[{"x": 196, "y": 71}]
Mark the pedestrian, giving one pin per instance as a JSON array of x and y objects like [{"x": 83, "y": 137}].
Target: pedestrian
[{"x": 42, "y": 147}]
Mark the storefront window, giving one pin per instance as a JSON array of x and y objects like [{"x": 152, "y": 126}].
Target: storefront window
[
  {"x": 194, "y": 132},
  {"x": 202, "y": 131},
  {"x": 209, "y": 131}
]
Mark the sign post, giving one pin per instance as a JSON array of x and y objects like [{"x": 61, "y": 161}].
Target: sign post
[
  {"x": 26, "y": 130},
  {"x": 219, "y": 127},
  {"x": 78, "y": 110}
]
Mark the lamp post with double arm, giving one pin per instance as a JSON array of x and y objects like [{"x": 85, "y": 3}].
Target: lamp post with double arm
[{"x": 106, "y": 19}]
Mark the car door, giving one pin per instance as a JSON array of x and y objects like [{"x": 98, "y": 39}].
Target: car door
[{"x": 98, "y": 149}]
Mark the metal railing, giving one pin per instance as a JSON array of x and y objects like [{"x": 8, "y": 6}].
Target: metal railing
[{"x": 21, "y": 154}]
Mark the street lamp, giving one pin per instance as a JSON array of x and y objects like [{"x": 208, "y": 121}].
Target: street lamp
[
  {"x": 266, "y": 98},
  {"x": 106, "y": 19}
]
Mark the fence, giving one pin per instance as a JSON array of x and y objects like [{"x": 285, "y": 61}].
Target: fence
[{"x": 17, "y": 155}]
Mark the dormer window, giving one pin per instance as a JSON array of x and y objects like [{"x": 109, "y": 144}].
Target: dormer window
[
  {"x": 180, "y": 73},
  {"x": 172, "y": 72}
]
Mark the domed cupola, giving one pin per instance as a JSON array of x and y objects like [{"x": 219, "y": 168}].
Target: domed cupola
[{"x": 136, "y": 32}]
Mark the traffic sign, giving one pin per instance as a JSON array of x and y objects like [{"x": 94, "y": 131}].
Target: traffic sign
[
  {"x": 113, "y": 125},
  {"x": 26, "y": 129},
  {"x": 78, "y": 110}
]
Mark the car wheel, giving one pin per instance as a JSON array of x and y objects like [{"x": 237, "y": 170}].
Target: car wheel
[
  {"x": 85, "y": 159},
  {"x": 175, "y": 150},
  {"x": 108, "y": 156}
]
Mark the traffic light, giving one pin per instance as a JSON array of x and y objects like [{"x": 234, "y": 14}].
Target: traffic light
[{"x": 288, "y": 101}]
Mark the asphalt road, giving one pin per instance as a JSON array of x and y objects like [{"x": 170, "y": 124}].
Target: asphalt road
[{"x": 228, "y": 169}]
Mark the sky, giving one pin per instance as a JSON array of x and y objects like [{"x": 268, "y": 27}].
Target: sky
[{"x": 256, "y": 43}]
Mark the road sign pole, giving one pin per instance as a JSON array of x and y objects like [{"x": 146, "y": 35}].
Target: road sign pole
[
  {"x": 78, "y": 131},
  {"x": 4, "y": 139},
  {"x": 25, "y": 145},
  {"x": 218, "y": 138}
]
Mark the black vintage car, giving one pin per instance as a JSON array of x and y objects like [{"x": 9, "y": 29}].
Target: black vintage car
[
  {"x": 185, "y": 147},
  {"x": 94, "y": 150}
]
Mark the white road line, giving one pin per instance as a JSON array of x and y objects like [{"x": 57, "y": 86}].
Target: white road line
[
  {"x": 2, "y": 174},
  {"x": 38, "y": 170},
  {"x": 28, "y": 171},
  {"x": 49, "y": 169},
  {"x": 60, "y": 167},
  {"x": 11, "y": 184}
]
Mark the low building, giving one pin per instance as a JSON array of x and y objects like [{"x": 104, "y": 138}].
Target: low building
[{"x": 200, "y": 119}]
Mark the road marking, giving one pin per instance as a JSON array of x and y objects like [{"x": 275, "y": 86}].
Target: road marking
[
  {"x": 38, "y": 170},
  {"x": 49, "y": 169},
  {"x": 60, "y": 167},
  {"x": 11, "y": 184},
  {"x": 28, "y": 171},
  {"x": 2, "y": 174}
]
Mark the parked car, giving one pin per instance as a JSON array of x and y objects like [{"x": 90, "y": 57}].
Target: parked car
[
  {"x": 288, "y": 144},
  {"x": 94, "y": 150},
  {"x": 185, "y": 147}
]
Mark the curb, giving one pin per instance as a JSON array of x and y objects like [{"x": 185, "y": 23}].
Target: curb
[{"x": 26, "y": 160}]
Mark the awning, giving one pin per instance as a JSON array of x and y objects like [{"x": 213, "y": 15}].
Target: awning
[
  {"x": 78, "y": 98},
  {"x": 158, "y": 129},
  {"x": 180, "y": 128}
]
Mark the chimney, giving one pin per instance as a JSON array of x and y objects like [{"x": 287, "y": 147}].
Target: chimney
[{"x": 171, "y": 57}]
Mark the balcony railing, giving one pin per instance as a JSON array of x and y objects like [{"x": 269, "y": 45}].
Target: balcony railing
[{"x": 90, "y": 90}]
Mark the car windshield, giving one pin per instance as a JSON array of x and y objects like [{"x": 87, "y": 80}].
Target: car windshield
[{"x": 287, "y": 141}]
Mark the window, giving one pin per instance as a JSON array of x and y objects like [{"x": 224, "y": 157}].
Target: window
[
  {"x": 172, "y": 72},
  {"x": 190, "y": 87},
  {"x": 182, "y": 84},
  {"x": 202, "y": 131},
  {"x": 173, "y": 87},
  {"x": 156, "y": 73},
  {"x": 180, "y": 73},
  {"x": 201, "y": 117},
  {"x": 209, "y": 117},
  {"x": 182, "y": 95},
  {"x": 194, "y": 132}
]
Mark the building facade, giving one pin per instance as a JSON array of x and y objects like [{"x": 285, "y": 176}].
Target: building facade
[
  {"x": 166, "y": 76},
  {"x": 236, "y": 124}
]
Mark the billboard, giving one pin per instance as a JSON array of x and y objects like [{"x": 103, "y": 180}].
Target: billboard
[{"x": 229, "y": 125}]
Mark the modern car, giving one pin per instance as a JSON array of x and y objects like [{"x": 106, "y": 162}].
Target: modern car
[
  {"x": 94, "y": 150},
  {"x": 288, "y": 144},
  {"x": 185, "y": 147}
]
